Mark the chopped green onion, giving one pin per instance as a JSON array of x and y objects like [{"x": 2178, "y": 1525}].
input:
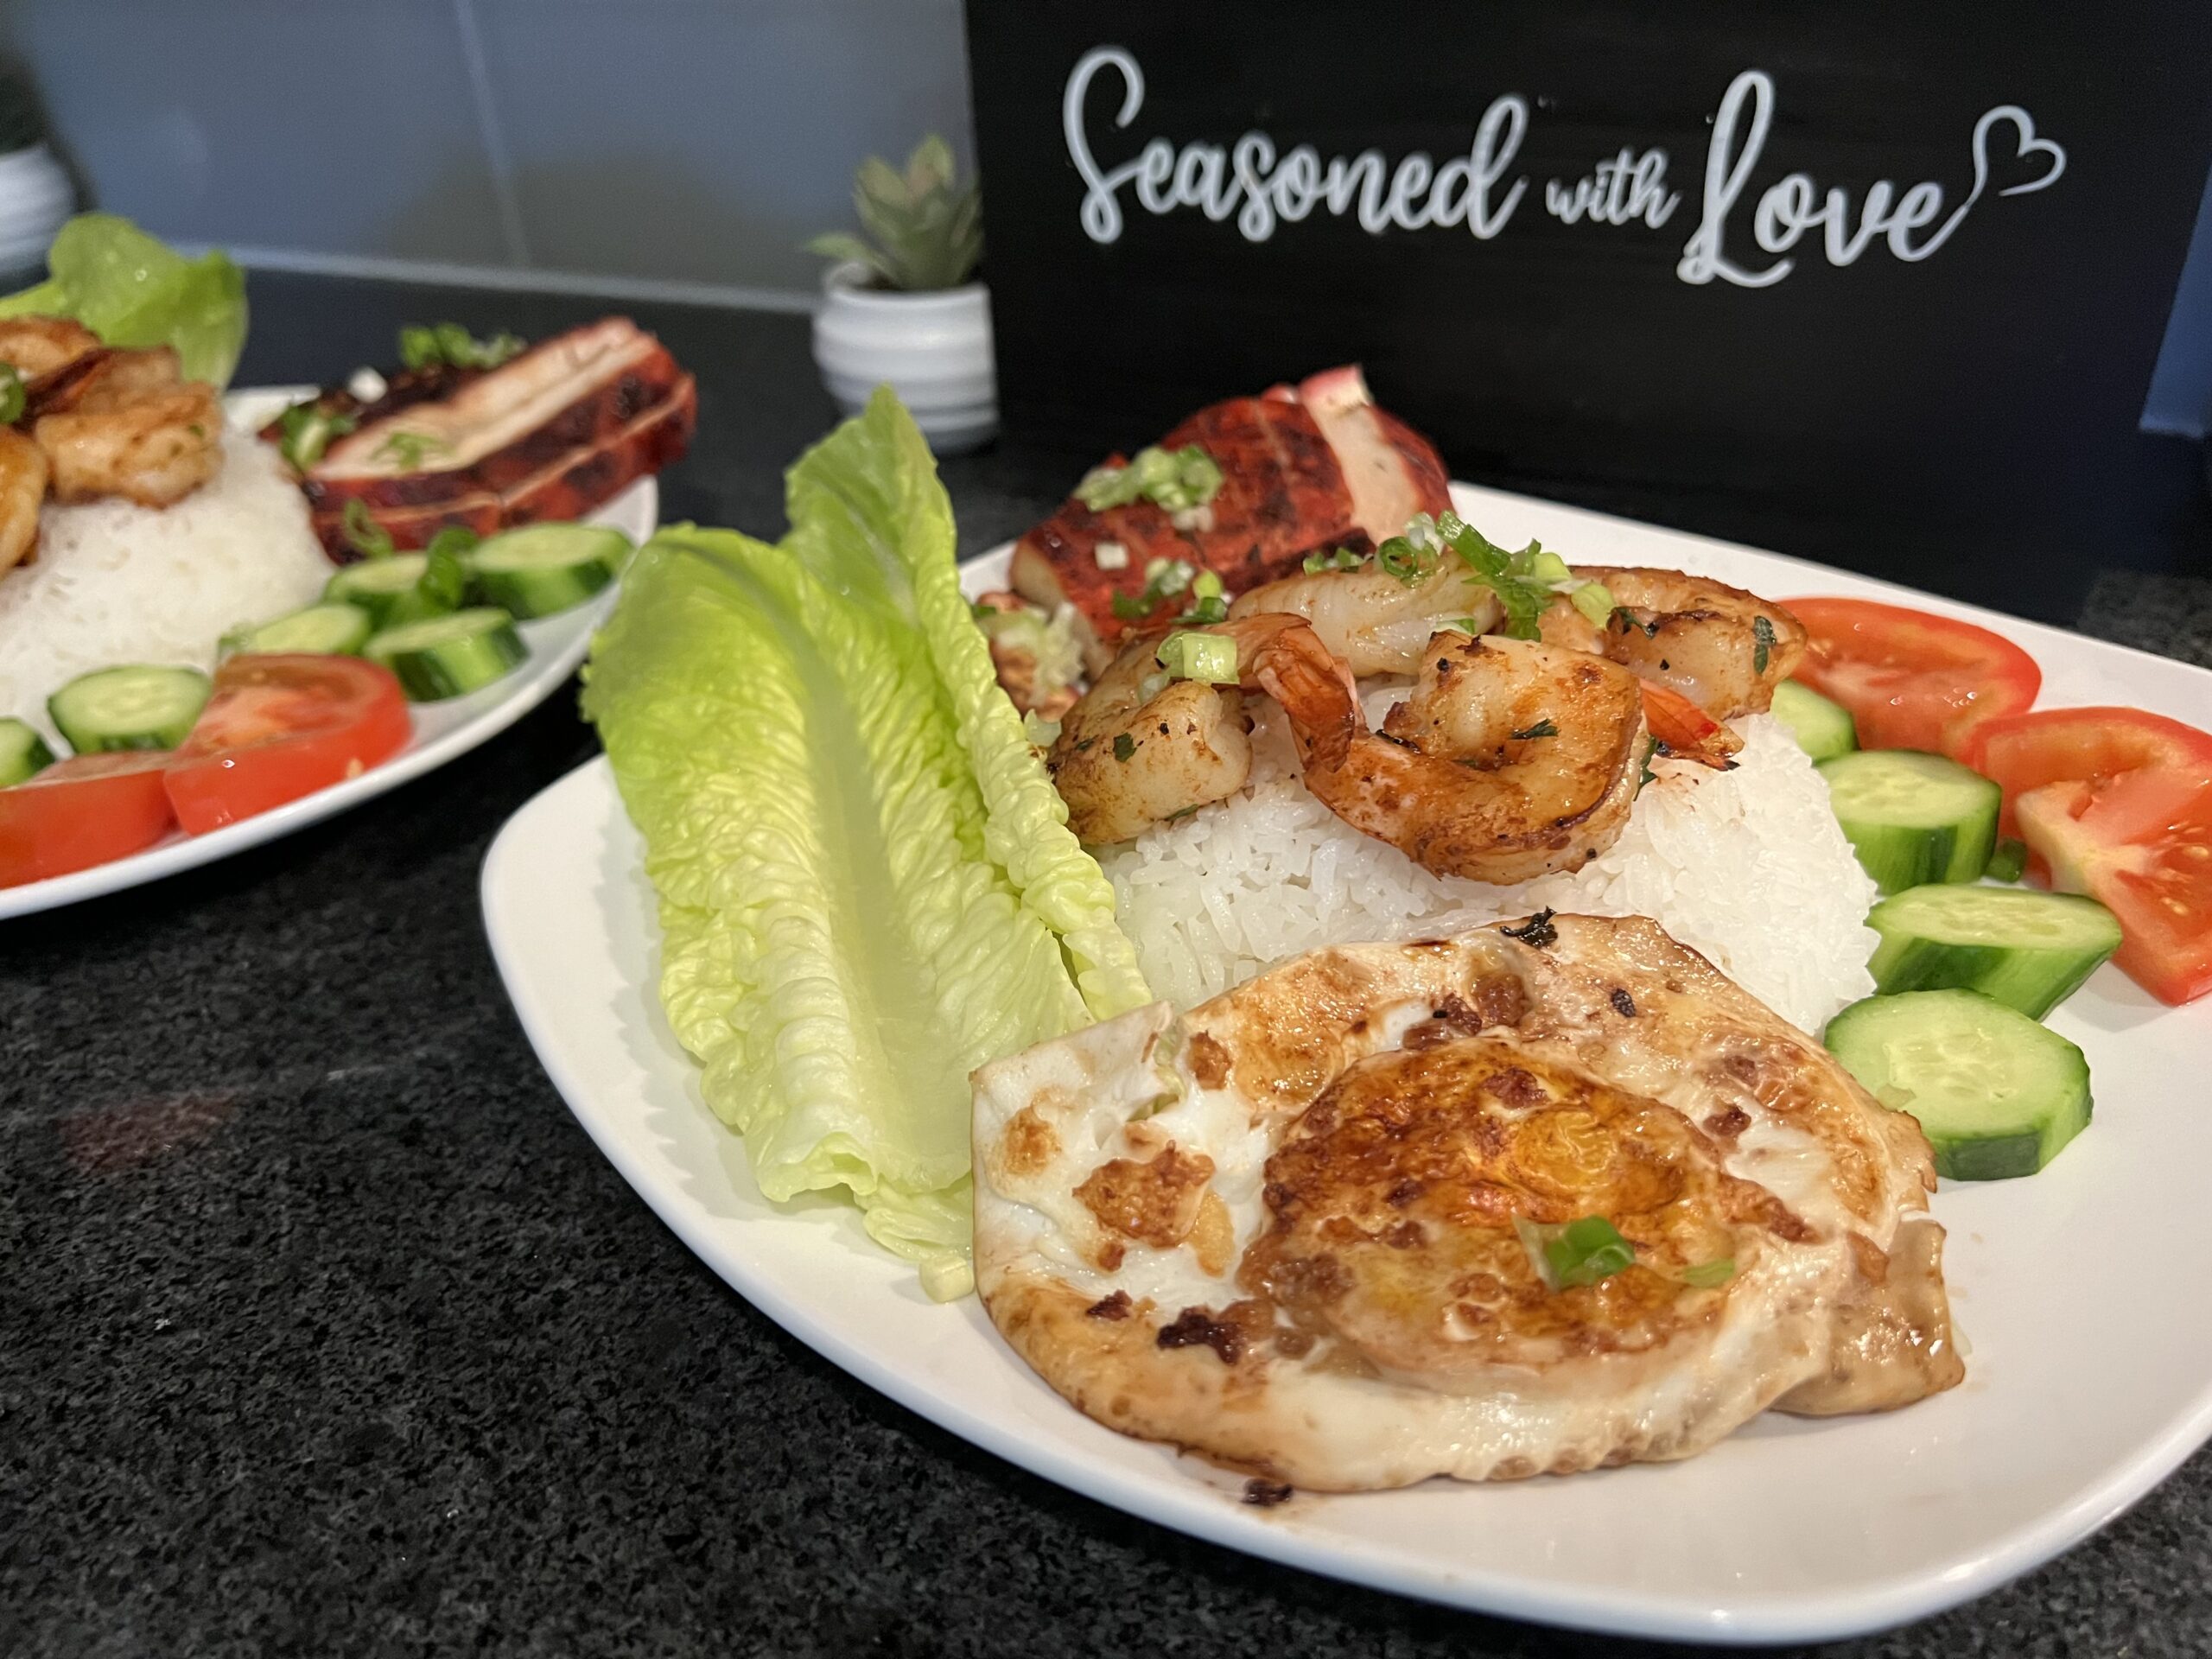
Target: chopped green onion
[
  {"x": 1207, "y": 611},
  {"x": 1709, "y": 1275},
  {"x": 1343, "y": 559},
  {"x": 305, "y": 430},
  {"x": 1403, "y": 559},
  {"x": 1167, "y": 577},
  {"x": 12, "y": 395},
  {"x": 1207, "y": 585},
  {"x": 1177, "y": 481},
  {"x": 1546, "y": 566},
  {"x": 1578, "y": 1252},
  {"x": 1647, "y": 776},
  {"x": 409, "y": 450},
  {"x": 1594, "y": 600},
  {"x": 1466, "y": 624},
  {"x": 1762, "y": 646},
  {"x": 363, "y": 534},
  {"x": 1541, "y": 728},
  {"x": 1124, "y": 745},
  {"x": 1041, "y": 732},
  {"x": 2008, "y": 860},
  {"x": 1132, "y": 607},
  {"x": 1208, "y": 656},
  {"x": 422, "y": 346}
]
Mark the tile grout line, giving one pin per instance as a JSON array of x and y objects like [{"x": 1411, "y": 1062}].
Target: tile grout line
[{"x": 494, "y": 138}]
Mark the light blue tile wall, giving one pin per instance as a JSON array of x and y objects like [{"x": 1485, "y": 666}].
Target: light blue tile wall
[
  {"x": 698, "y": 141},
  {"x": 346, "y": 126},
  {"x": 706, "y": 139}
]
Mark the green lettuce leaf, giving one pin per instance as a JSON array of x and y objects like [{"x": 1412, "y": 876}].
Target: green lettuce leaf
[
  {"x": 134, "y": 291},
  {"x": 867, "y": 884}
]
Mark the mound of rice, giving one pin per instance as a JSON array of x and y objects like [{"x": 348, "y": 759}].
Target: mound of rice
[
  {"x": 1747, "y": 867},
  {"x": 113, "y": 582}
]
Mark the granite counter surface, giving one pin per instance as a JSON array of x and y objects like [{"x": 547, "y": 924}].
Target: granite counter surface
[{"x": 324, "y": 1328}]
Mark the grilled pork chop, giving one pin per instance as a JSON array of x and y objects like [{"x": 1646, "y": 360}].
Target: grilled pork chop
[
  {"x": 1303, "y": 469},
  {"x": 1281, "y": 1232}
]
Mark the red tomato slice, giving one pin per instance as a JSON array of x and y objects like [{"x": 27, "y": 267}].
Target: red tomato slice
[
  {"x": 90, "y": 810},
  {"x": 278, "y": 727},
  {"x": 1911, "y": 679},
  {"x": 2025, "y": 752},
  {"x": 2140, "y": 844}
]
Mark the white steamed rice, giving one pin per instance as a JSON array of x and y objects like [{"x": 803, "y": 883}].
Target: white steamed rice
[
  {"x": 1747, "y": 867},
  {"x": 113, "y": 582}
]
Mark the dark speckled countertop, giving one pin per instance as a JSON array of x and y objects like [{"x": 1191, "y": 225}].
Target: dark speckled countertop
[{"x": 323, "y": 1327}]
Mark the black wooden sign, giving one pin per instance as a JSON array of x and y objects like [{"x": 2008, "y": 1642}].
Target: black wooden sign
[{"x": 1881, "y": 284}]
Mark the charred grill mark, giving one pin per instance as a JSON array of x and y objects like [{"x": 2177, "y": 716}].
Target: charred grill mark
[
  {"x": 1537, "y": 931},
  {"x": 1266, "y": 1494},
  {"x": 1116, "y": 1307},
  {"x": 1196, "y": 1327},
  {"x": 1209, "y": 1060},
  {"x": 1623, "y": 1004}
]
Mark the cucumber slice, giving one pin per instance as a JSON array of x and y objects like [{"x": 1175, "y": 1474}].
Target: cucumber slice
[
  {"x": 542, "y": 569},
  {"x": 330, "y": 629},
  {"x": 449, "y": 655},
  {"x": 130, "y": 707},
  {"x": 2028, "y": 950},
  {"x": 1823, "y": 729},
  {"x": 1913, "y": 817},
  {"x": 1996, "y": 1093},
  {"x": 23, "y": 752},
  {"x": 377, "y": 585}
]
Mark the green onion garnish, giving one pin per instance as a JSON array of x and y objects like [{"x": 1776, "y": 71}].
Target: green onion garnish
[
  {"x": 1761, "y": 644},
  {"x": 1594, "y": 600},
  {"x": 409, "y": 450},
  {"x": 1541, "y": 728},
  {"x": 12, "y": 395},
  {"x": 1710, "y": 1276},
  {"x": 422, "y": 346},
  {"x": 1343, "y": 559},
  {"x": 1176, "y": 480},
  {"x": 1578, "y": 1252},
  {"x": 1124, "y": 745},
  {"x": 363, "y": 534},
  {"x": 305, "y": 430},
  {"x": 1208, "y": 656}
]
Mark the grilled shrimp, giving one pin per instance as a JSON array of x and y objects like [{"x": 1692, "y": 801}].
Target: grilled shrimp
[
  {"x": 1699, "y": 637},
  {"x": 1139, "y": 748},
  {"x": 1510, "y": 759},
  {"x": 22, "y": 488},
  {"x": 154, "y": 446},
  {"x": 1375, "y": 623},
  {"x": 38, "y": 346}
]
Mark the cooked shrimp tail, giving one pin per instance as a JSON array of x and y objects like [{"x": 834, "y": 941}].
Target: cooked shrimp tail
[{"x": 1688, "y": 731}]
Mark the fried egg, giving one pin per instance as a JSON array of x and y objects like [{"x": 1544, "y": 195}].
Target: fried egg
[{"x": 1301, "y": 1231}]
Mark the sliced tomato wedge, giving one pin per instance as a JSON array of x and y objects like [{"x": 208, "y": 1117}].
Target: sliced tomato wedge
[
  {"x": 1912, "y": 680},
  {"x": 278, "y": 727},
  {"x": 2023, "y": 751},
  {"x": 90, "y": 810},
  {"x": 2116, "y": 803}
]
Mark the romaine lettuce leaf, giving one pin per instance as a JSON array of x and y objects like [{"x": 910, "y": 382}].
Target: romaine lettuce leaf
[
  {"x": 134, "y": 291},
  {"x": 867, "y": 886}
]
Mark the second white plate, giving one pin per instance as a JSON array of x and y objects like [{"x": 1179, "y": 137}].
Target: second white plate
[{"x": 443, "y": 730}]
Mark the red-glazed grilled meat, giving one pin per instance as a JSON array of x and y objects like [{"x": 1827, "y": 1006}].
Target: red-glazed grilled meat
[
  {"x": 1303, "y": 469},
  {"x": 569, "y": 485},
  {"x": 551, "y": 434}
]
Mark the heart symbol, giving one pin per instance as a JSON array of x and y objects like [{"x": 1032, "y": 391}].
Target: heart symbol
[{"x": 2028, "y": 145}]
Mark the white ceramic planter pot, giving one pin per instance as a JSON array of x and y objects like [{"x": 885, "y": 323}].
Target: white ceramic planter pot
[{"x": 933, "y": 349}]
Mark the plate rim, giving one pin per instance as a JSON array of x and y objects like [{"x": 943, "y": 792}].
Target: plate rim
[{"x": 1884, "y": 1602}]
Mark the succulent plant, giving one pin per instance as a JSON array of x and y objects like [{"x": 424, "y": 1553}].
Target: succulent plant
[{"x": 925, "y": 228}]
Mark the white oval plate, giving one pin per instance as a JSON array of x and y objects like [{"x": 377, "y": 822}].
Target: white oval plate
[
  {"x": 2090, "y": 1372},
  {"x": 443, "y": 730}
]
